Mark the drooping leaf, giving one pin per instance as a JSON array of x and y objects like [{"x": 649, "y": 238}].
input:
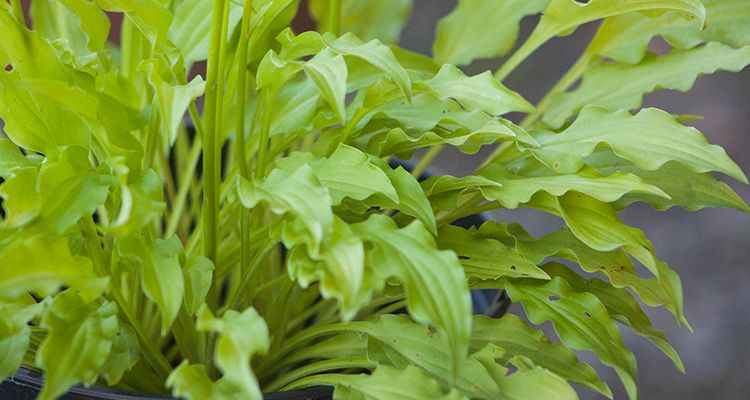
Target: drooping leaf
[
  {"x": 481, "y": 29},
  {"x": 480, "y": 92},
  {"x": 373, "y": 52},
  {"x": 678, "y": 70},
  {"x": 78, "y": 342},
  {"x": 596, "y": 224},
  {"x": 562, "y": 17},
  {"x": 412, "y": 200},
  {"x": 434, "y": 281},
  {"x": 445, "y": 190},
  {"x": 625, "y": 38},
  {"x": 349, "y": 173},
  {"x": 518, "y": 339},
  {"x": 621, "y": 306},
  {"x": 486, "y": 258},
  {"x": 329, "y": 73},
  {"x": 649, "y": 139},
  {"x": 397, "y": 341},
  {"x": 516, "y": 190},
  {"x": 686, "y": 188},
  {"x": 580, "y": 320},
  {"x": 615, "y": 264},
  {"x": 398, "y": 142}
]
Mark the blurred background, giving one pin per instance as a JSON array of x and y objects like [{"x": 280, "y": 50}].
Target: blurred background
[{"x": 708, "y": 248}]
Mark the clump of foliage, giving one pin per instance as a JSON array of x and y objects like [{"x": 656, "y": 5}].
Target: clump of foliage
[{"x": 273, "y": 249}]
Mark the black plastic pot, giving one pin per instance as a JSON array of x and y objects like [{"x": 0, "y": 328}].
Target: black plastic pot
[{"x": 26, "y": 385}]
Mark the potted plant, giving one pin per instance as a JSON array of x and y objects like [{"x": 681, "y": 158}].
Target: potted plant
[{"x": 277, "y": 249}]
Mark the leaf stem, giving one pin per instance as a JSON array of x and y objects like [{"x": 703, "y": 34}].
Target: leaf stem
[
  {"x": 212, "y": 156},
  {"x": 321, "y": 366},
  {"x": 334, "y": 17},
  {"x": 240, "y": 134},
  {"x": 426, "y": 160}
]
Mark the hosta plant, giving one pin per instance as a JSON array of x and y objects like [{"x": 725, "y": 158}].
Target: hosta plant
[{"x": 223, "y": 234}]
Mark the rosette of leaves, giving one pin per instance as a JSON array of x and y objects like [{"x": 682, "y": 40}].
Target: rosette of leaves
[{"x": 275, "y": 248}]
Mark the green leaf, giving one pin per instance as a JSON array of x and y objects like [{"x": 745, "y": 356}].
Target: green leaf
[
  {"x": 340, "y": 268},
  {"x": 445, "y": 190},
  {"x": 596, "y": 224},
  {"x": 580, "y": 320},
  {"x": 486, "y": 258},
  {"x": 412, "y": 200},
  {"x": 11, "y": 158},
  {"x": 190, "y": 30},
  {"x": 518, "y": 339},
  {"x": 387, "y": 383},
  {"x": 615, "y": 264},
  {"x": 82, "y": 23},
  {"x": 686, "y": 188},
  {"x": 516, "y": 190},
  {"x": 625, "y": 38},
  {"x": 21, "y": 199},
  {"x": 241, "y": 335},
  {"x": 198, "y": 276},
  {"x": 368, "y": 19},
  {"x": 481, "y": 29},
  {"x": 621, "y": 306},
  {"x": 562, "y": 17},
  {"x": 30, "y": 119},
  {"x": 480, "y": 92},
  {"x": 400, "y": 342},
  {"x": 649, "y": 139},
  {"x": 397, "y": 142},
  {"x": 298, "y": 194},
  {"x": 192, "y": 382},
  {"x": 15, "y": 333},
  {"x": 141, "y": 202},
  {"x": 78, "y": 342},
  {"x": 123, "y": 357},
  {"x": 329, "y": 73},
  {"x": 172, "y": 98},
  {"x": 602, "y": 83},
  {"x": 162, "y": 277},
  {"x": 24, "y": 268},
  {"x": 349, "y": 173},
  {"x": 435, "y": 284},
  {"x": 375, "y": 53},
  {"x": 151, "y": 17},
  {"x": 69, "y": 189}
]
